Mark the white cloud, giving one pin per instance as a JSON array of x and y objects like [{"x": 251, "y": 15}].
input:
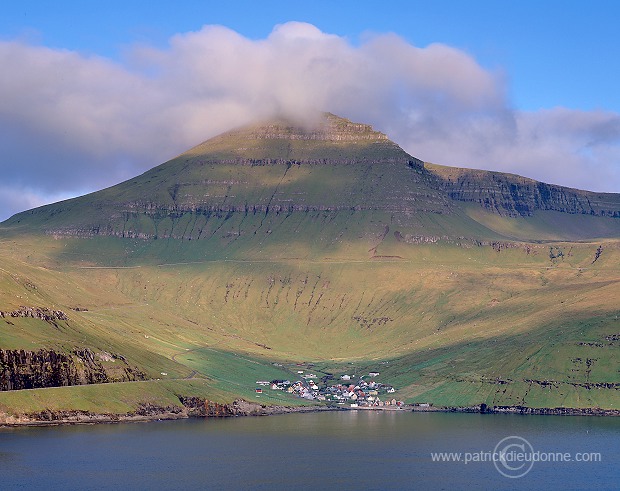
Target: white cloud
[{"x": 70, "y": 122}]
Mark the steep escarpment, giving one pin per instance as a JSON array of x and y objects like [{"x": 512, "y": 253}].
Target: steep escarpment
[
  {"x": 21, "y": 369},
  {"x": 512, "y": 195}
]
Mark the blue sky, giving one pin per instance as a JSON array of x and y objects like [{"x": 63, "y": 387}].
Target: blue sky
[
  {"x": 527, "y": 87},
  {"x": 555, "y": 53}
]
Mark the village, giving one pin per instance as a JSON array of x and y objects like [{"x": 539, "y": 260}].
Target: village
[{"x": 349, "y": 390}]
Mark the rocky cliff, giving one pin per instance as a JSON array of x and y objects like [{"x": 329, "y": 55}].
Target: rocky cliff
[
  {"x": 43, "y": 313},
  {"x": 512, "y": 195},
  {"x": 20, "y": 369}
]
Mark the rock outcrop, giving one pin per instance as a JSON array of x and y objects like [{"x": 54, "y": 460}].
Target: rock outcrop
[
  {"x": 48, "y": 315},
  {"x": 512, "y": 195},
  {"x": 203, "y": 408},
  {"x": 21, "y": 369}
]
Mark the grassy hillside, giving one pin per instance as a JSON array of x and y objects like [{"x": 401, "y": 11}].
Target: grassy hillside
[
  {"x": 444, "y": 323},
  {"x": 331, "y": 248}
]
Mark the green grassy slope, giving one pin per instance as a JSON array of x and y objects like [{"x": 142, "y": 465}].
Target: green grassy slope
[{"x": 450, "y": 319}]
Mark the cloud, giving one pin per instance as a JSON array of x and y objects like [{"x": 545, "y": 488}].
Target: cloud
[{"x": 71, "y": 123}]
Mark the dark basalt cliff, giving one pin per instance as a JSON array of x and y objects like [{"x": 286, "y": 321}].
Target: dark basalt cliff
[
  {"x": 512, "y": 195},
  {"x": 203, "y": 408},
  {"x": 20, "y": 369}
]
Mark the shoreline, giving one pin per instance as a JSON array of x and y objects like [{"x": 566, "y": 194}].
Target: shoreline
[{"x": 200, "y": 408}]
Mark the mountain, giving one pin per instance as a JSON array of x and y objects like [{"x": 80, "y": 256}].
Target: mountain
[
  {"x": 322, "y": 245},
  {"x": 334, "y": 166},
  {"x": 265, "y": 171}
]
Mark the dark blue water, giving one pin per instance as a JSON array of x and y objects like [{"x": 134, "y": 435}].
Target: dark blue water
[{"x": 336, "y": 450}]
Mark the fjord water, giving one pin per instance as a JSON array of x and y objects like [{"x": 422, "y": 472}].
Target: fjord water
[{"x": 330, "y": 450}]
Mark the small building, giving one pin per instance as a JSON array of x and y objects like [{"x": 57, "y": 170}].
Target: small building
[{"x": 259, "y": 390}]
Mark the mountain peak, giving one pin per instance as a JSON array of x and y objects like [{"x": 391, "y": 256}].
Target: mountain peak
[
  {"x": 328, "y": 136},
  {"x": 328, "y": 128}
]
